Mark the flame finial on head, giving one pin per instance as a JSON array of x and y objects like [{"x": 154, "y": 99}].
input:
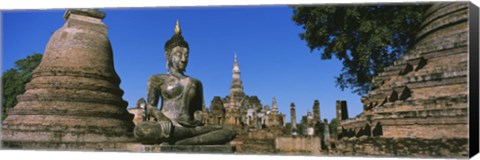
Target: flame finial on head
[
  {"x": 235, "y": 56},
  {"x": 178, "y": 30},
  {"x": 176, "y": 40}
]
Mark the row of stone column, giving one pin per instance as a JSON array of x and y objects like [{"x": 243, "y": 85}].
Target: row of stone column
[{"x": 312, "y": 122}]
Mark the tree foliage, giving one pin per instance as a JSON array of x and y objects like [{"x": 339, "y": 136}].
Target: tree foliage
[
  {"x": 332, "y": 126},
  {"x": 14, "y": 80},
  {"x": 365, "y": 38}
]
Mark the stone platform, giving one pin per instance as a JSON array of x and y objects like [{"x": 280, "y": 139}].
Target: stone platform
[
  {"x": 190, "y": 148},
  {"x": 74, "y": 146},
  {"x": 119, "y": 147}
]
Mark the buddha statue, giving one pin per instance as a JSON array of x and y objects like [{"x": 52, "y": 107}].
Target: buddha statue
[{"x": 179, "y": 119}]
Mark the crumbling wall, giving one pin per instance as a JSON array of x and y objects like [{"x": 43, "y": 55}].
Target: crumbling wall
[
  {"x": 256, "y": 142},
  {"x": 308, "y": 145},
  {"x": 399, "y": 147}
]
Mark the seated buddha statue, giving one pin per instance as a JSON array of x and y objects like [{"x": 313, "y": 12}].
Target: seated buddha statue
[{"x": 179, "y": 119}]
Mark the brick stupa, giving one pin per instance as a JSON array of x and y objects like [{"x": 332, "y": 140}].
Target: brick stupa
[
  {"x": 74, "y": 100},
  {"x": 418, "y": 106}
]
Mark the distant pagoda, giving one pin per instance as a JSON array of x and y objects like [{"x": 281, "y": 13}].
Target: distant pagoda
[
  {"x": 236, "y": 88},
  {"x": 246, "y": 111}
]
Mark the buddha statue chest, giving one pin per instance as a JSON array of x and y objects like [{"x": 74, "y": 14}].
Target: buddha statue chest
[
  {"x": 177, "y": 94},
  {"x": 175, "y": 88}
]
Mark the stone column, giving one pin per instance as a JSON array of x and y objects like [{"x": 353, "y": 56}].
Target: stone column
[
  {"x": 316, "y": 117},
  {"x": 310, "y": 124},
  {"x": 73, "y": 100},
  {"x": 316, "y": 111},
  {"x": 342, "y": 114},
  {"x": 326, "y": 135},
  {"x": 304, "y": 124},
  {"x": 293, "y": 119}
]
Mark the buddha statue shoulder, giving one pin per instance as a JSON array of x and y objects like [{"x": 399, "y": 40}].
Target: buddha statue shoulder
[{"x": 179, "y": 118}]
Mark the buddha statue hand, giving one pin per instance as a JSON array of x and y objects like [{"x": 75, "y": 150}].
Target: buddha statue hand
[
  {"x": 198, "y": 116},
  {"x": 150, "y": 132},
  {"x": 187, "y": 122},
  {"x": 166, "y": 128},
  {"x": 156, "y": 114}
]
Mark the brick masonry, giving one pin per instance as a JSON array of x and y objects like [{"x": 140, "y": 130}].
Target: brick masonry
[{"x": 418, "y": 106}]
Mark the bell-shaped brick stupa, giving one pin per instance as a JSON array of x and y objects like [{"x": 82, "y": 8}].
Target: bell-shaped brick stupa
[{"x": 74, "y": 100}]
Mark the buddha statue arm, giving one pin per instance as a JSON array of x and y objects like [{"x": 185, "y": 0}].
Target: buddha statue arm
[
  {"x": 198, "y": 101},
  {"x": 194, "y": 103},
  {"x": 153, "y": 96}
]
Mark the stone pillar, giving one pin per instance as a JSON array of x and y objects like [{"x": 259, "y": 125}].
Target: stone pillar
[
  {"x": 304, "y": 125},
  {"x": 310, "y": 124},
  {"x": 326, "y": 135},
  {"x": 73, "y": 100},
  {"x": 293, "y": 119},
  {"x": 316, "y": 111},
  {"x": 326, "y": 131},
  {"x": 342, "y": 114},
  {"x": 316, "y": 117}
]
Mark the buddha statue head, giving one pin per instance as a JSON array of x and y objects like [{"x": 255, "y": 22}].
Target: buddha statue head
[{"x": 176, "y": 52}]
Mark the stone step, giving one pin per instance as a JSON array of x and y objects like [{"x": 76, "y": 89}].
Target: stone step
[
  {"x": 437, "y": 9},
  {"x": 452, "y": 15},
  {"x": 442, "y": 76}
]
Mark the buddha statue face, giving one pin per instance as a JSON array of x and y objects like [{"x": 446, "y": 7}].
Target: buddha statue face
[
  {"x": 176, "y": 52},
  {"x": 178, "y": 59}
]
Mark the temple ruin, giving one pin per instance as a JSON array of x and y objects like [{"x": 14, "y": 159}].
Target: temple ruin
[
  {"x": 241, "y": 111},
  {"x": 421, "y": 100},
  {"x": 73, "y": 100}
]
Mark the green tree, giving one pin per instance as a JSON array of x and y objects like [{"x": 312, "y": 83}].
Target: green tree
[
  {"x": 14, "y": 80},
  {"x": 365, "y": 38},
  {"x": 332, "y": 126}
]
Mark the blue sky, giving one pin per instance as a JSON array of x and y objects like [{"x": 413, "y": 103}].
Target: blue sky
[{"x": 274, "y": 62}]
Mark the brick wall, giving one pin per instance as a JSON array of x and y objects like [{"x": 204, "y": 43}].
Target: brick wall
[
  {"x": 298, "y": 145},
  {"x": 403, "y": 147},
  {"x": 426, "y": 131}
]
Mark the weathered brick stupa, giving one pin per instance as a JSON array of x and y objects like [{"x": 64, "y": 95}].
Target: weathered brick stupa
[
  {"x": 418, "y": 106},
  {"x": 74, "y": 100}
]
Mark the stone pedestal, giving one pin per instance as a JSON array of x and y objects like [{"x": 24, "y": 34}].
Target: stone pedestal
[
  {"x": 190, "y": 148},
  {"x": 74, "y": 100}
]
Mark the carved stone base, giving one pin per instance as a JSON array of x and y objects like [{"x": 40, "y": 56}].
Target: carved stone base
[
  {"x": 74, "y": 146},
  {"x": 117, "y": 147},
  {"x": 190, "y": 148}
]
